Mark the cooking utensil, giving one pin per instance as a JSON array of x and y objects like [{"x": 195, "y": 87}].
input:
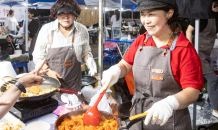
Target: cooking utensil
[
  {"x": 88, "y": 80},
  {"x": 49, "y": 81},
  {"x": 93, "y": 116},
  {"x": 123, "y": 110},
  {"x": 122, "y": 124}
]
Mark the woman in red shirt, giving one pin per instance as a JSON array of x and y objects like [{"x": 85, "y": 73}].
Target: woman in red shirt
[{"x": 166, "y": 68}]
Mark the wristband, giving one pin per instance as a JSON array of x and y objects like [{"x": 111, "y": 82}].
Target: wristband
[{"x": 20, "y": 86}]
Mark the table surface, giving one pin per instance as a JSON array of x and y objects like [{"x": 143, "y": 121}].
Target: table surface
[
  {"x": 127, "y": 31},
  {"x": 96, "y": 29},
  {"x": 15, "y": 36},
  {"x": 121, "y": 41}
]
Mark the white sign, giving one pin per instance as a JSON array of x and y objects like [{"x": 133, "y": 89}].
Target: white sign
[{"x": 19, "y": 12}]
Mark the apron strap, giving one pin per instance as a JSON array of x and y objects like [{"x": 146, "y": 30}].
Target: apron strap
[
  {"x": 172, "y": 41},
  {"x": 173, "y": 45}
]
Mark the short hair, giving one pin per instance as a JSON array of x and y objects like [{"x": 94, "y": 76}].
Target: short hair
[
  {"x": 33, "y": 11},
  {"x": 10, "y": 12},
  {"x": 117, "y": 13},
  {"x": 166, "y": 8},
  {"x": 60, "y": 3}
]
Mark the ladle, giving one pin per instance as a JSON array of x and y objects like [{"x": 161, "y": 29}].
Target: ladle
[{"x": 93, "y": 116}]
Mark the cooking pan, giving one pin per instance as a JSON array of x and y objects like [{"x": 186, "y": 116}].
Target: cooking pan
[
  {"x": 88, "y": 80},
  {"x": 122, "y": 124},
  {"x": 48, "y": 81}
]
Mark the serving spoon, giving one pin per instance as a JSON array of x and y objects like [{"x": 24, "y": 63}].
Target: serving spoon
[{"x": 93, "y": 116}]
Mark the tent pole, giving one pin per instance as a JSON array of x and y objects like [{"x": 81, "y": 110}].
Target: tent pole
[
  {"x": 197, "y": 30},
  {"x": 132, "y": 15},
  {"x": 120, "y": 16},
  {"x": 100, "y": 43},
  {"x": 105, "y": 37},
  {"x": 26, "y": 31}
]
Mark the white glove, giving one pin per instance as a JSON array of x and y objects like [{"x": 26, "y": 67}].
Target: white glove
[
  {"x": 29, "y": 43},
  {"x": 110, "y": 77},
  {"x": 90, "y": 62},
  {"x": 161, "y": 111}
]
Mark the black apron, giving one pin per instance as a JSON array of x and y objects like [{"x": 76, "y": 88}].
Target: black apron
[{"x": 206, "y": 42}]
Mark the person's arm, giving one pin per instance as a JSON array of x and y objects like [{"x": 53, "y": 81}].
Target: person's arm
[
  {"x": 189, "y": 31},
  {"x": 30, "y": 39},
  {"x": 86, "y": 52},
  {"x": 33, "y": 28},
  {"x": 112, "y": 20},
  {"x": 214, "y": 9},
  {"x": 186, "y": 97},
  {"x": 40, "y": 53},
  {"x": 7, "y": 25},
  {"x": 43, "y": 39},
  {"x": 111, "y": 76},
  {"x": 125, "y": 68},
  {"x": 18, "y": 26},
  {"x": 16, "y": 23},
  {"x": 13, "y": 93},
  {"x": 7, "y": 30}
]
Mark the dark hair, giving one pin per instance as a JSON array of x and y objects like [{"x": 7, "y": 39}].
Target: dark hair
[
  {"x": 60, "y": 3},
  {"x": 33, "y": 11},
  {"x": 166, "y": 8},
  {"x": 117, "y": 13},
  {"x": 134, "y": 20},
  {"x": 10, "y": 36},
  {"x": 21, "y": 24},
  {"x": 10, "y": 12}
]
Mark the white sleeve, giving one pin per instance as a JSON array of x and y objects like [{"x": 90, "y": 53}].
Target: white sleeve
[
  {"x": 6, "y": 22},
  {"x": 39, "y": 52},
  {"x": 112, "y": 18},
  {"x": 16, "y": 23},
  {"x": 86, "y": 49}
]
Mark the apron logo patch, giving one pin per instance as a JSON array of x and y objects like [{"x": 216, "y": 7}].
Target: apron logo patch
[
  {"x": 159, "y": 71},
  {"x": 69, "y": 61},
  {"x": 160, "y": 78},
  {"x": 68, "y": 65}
]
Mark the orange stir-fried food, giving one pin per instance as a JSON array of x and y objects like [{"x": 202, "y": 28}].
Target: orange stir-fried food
[{"x": 76, "y": 123}]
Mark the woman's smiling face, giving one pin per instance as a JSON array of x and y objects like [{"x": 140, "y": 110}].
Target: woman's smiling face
[{"x": 155, "y": 21}]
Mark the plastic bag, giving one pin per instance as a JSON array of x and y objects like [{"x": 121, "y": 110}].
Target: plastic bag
[
  {"x": 88, "y": 92},
  {"x": 31, "y": 66},
  {"x": 103, "y": 104}
]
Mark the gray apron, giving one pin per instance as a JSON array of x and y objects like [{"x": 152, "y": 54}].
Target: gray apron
[
  {"x": 206, "y": 42},
  {"x": 33, "y": 42},
  {"x": 63, "y": 60},
  {"x": 154, "y": 81}
]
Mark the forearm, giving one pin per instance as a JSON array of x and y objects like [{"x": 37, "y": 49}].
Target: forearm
[
  {"x": 125, "y": 68},
  {"x": 189, "y": 36},
  {"x": 186, "y": 97},
  {"x": 11, "y": 95},
  {"x": 111, "y": 23},
  {"x": 7, "y": 29},
  {"x": 18, "y": 27},
  {"x": 86, "y": 57},
  {"x": 30, "y": 39}
]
